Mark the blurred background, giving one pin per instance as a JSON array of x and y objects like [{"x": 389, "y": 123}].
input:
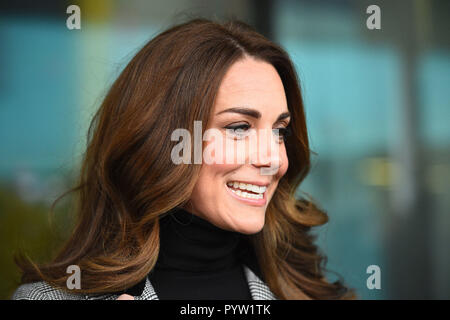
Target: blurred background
[{"x": 377, "y": 105}]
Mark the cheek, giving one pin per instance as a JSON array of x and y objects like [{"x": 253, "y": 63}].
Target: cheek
[
  {"x": 222, "y": 154},
  {"x": 210, "y": 179},
  {"x": 209, "y": 193},
  {"x": 213, "y": 171},
  {"x": 284, "y": 163},
  {"x": 200, "y": 191}
]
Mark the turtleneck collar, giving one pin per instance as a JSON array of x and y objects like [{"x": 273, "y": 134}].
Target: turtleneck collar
[{"x": 190, "y": 243}]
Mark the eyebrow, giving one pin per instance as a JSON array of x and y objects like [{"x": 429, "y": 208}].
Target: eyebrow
[{"x": 252, "y": 113}]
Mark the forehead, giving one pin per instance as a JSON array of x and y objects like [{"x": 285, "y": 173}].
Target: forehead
[{"x": 253, "y": 83}]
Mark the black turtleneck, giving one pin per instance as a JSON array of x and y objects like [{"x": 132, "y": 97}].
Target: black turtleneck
[{"x": 198, "y": 260}]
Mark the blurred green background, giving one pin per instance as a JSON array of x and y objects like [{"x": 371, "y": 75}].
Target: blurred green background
[{"x": 377, "y": 105}]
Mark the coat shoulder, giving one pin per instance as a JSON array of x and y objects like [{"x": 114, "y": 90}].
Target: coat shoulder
[{"x": 43, "y": 291}]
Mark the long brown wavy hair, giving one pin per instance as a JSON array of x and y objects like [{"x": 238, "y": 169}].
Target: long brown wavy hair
[{"x": 128, "y": 180}]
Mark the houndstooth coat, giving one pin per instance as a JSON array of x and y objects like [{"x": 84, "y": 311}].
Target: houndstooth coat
[{"x": 142, "y": 291}]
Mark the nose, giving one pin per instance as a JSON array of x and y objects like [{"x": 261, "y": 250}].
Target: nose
[{"x": 265, "y": 152}]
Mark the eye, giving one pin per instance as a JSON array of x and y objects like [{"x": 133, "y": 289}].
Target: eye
[
  {"x": 240, "y": 130},
  {"x": 282, "y": 133}
]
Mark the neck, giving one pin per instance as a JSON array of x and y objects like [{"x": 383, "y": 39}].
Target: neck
[{"x": 193, "y": 244}]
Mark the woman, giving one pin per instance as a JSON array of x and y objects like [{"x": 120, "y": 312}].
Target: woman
[{"x": 152, "y": 223}]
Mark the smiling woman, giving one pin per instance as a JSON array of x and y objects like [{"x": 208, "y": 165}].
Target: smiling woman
[
  {"x": 254, "y": 82},
  {"x": 154, "y": 229}
]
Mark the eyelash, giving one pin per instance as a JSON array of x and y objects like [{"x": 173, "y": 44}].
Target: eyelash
[{"x": 283, "y": 132}]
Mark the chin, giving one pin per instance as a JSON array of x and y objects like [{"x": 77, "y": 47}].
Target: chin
[{"x": 251, "y": 226}]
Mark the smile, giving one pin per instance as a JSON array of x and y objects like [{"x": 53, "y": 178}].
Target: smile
[{"x": 247, "y": 192}]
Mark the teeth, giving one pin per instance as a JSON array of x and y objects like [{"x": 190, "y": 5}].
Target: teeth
[
  {"x": 247, "y": 187},
  {"x": 244, "y": 194}
]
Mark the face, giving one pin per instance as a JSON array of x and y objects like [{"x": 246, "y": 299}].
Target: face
[{"x": 234, "y": 195}]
